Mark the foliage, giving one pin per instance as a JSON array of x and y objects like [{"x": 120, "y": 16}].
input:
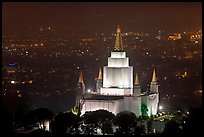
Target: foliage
[
  {"x": 22, "y": 110},
  {"x": 139, "y": 130},
  {"x": 172, "y": 128},
  {"x": 107, "y": 127},
  {"x": 144, "y": 110},
  {"x": 193, "y": 122},
  {"x": 39, "y": 132},
  {"x": 101, "y": 119},
  {"x": 64, "y": 123},
  {"x": 38, "y": 116},
  {"x": 125, "y": 120}
]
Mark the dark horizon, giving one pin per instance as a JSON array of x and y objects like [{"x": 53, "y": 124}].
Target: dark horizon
[{"x": 103, "y": 16}]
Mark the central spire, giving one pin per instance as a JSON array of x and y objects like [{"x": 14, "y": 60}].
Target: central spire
[{"x": 118, "y": 41}]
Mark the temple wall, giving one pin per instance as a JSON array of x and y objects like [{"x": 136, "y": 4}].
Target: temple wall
[{"x": 118, "y": 77}]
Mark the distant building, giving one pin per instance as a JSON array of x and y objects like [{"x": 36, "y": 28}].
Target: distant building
[
  {"x": 116, "y": 91},
  {"x": 174, "y": 40},
  {"x": 11, "y": 68},
  {"x": 174, "y": 37},
  {"x": 11, "y": 71},
  {"x": 196, "y": 38}
]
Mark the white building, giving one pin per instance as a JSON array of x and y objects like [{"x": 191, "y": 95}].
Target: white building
[{"x": 115, "y": 90}]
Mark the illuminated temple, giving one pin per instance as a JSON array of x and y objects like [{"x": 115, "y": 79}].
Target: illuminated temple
[{"x": 116, "y": 88}]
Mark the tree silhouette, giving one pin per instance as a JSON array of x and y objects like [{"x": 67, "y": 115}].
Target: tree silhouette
[
  {"x": 172, "y": 128},
  {"x": 125, "y": 120},
  {"x": 104, "y": 120},
  {"x": 64, "y": 123},
  {"x": 99, "y": 119},
  {"x": 21, "y": 112},
  {"x": 193, "y": 122},
  {"x": 149, "y": 125},
  {"x": 38, "y": 117},
  {"x": 107, "y": 127},
  {"x": 6, "y": 121},
  {"x": 90, "y": 123},
  {"x": 39, "y": 133},
  {"x": 139, "y": 130}
]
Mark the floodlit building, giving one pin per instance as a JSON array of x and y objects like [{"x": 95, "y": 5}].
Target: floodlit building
[{"x": 116, "y": 90}]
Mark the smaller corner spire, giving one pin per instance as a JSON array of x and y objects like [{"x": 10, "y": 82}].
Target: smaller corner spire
[
  {"x": 154, "y": 78},
  {"x": 81, "y": 80},
  {"x": 136, "y": 80},
  {"x": 118, "y": 29},
  {"x": 100, "y": 75}
]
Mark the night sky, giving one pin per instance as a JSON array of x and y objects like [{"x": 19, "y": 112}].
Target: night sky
[{"x": 146, "y": 16}]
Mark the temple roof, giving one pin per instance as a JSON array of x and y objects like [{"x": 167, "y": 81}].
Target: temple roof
[{"x": 103, "y": 97}]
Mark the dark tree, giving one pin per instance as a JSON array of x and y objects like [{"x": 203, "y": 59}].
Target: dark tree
[
  {"x": 149, "y": 124},
  {"x": 90, "y": 123},
  {"x": 21, "y": 112},
  {"x": 126, "y": 121},
  {"x": 39, "y": 133},
  {"x": 37, "y": 117},
  {"x": 101, "y": 119},
  {"x": 104, "y": 120},
  {"x": 194, "y": 122},
  {"x": 172, "y": 128},
  {"x": 6, "y": 124},
  {"x": 64, "y": 123},
  {"x": 139, "y": 130},
  {"x": 107, "y": 127}
]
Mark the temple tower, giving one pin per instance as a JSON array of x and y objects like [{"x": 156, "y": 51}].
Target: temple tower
[
  {"x": 99, "y": 82},
  {"x": 80, "y": 88},
  {"x": 137, "y": 88},
  {"x": 154, "y": 83}
]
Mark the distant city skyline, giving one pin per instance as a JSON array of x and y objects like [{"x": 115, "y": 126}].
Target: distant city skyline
[{"x": 103, "y": 16}]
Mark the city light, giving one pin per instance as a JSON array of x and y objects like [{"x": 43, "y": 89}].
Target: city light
[
  {"x": 199, "y": 91},
  {"x": 160, "y": 107},
  {"x": 88, "y": 90},
  {"x": 30, "y": 81}
]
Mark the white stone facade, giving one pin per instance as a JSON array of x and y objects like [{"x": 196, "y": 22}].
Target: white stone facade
[
  {"x": 129, "y": 103},
  {"x": 118, "y": 73}
]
